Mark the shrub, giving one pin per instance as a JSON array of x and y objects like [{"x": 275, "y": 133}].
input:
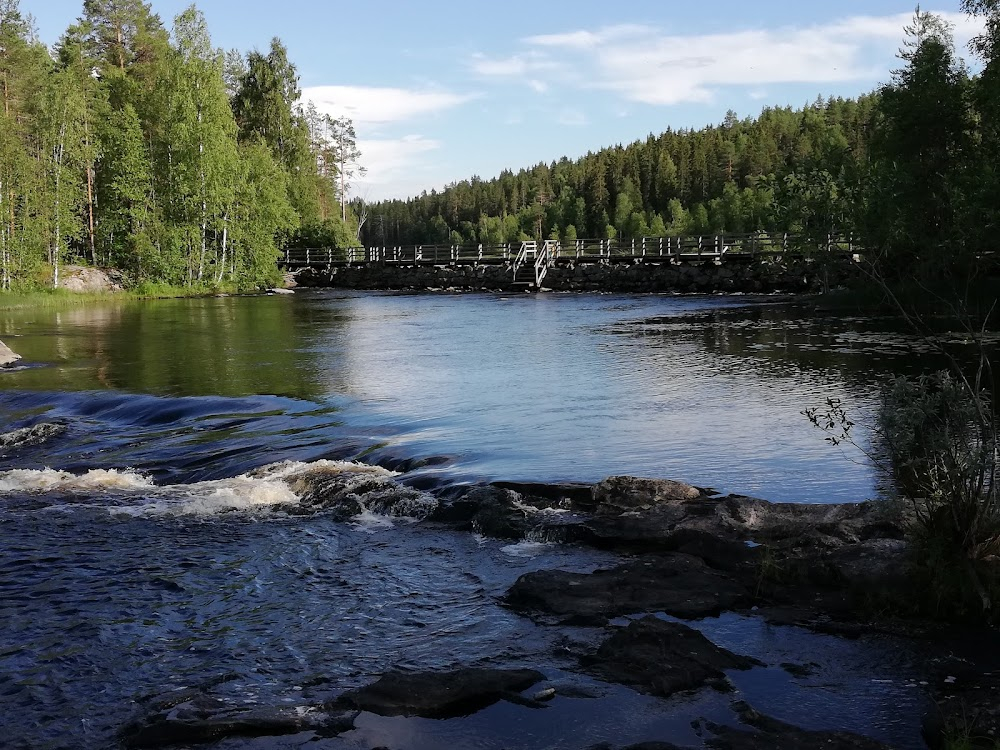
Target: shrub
[{"x": 939, "y": 440}]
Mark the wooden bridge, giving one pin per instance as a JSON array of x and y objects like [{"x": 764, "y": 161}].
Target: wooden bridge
[{"x": 530, "y": 260}]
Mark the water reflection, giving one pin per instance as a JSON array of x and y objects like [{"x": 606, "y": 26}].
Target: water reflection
[
  {"x": 233, "y": 346},
  {"x": 538, "y": 388}
]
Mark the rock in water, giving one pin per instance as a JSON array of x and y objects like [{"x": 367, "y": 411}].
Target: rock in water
[
  {"x": 201, "y": 719},
  {"x": 34, "y": 435},
  {"x": 438, "y": 695},
  {"x": 662, "y": 658},
  {"x": 348, "y": 490},
  {"x": 771, "y": 733},
  {"x": 678, "y": 584},
  {"x": 7, "y": 355}
]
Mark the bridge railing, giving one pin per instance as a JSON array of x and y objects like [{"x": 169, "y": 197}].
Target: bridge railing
[{"x": 692, "y": 248}]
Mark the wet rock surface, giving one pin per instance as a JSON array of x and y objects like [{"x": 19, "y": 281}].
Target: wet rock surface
[
  {"x": 677, "y": 584},
  {"x": 767, "y": 733},
  {"x": 662, "y": 658},
  {"x": 439, "y": 695},
  {"x": 29, "y": 436},
  {"x": 191, "y": 719},
  {"x": 347, "y": 492}
]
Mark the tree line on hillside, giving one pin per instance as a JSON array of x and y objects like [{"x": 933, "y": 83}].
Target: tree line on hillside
[
  {"x": 910, "y": 168},
  {"x": 739, "y": 176},
  {"x": 156, "y": 153}
]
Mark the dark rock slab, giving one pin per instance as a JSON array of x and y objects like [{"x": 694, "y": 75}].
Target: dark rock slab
[
  {"x": 491, "y": 511},
  {"x": 616, "y": 495},
  {"x": 662, "y": 658},
  {"x": 438, "y": 695},
  {"x": 677, "y": 584},
  {"x": 771, "y": 734},
  {"x": 200, "y": 719}
]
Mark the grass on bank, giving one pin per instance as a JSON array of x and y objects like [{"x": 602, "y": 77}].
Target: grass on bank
[{"x": 42, "y": 298}]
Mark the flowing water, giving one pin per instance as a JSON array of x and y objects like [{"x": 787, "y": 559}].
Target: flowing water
[{"x": 138, "y": 554}]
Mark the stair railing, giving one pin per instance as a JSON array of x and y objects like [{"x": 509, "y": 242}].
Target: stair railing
[
  {"x": 542, "y": 260},
  {"x": 522, "y": 254}
]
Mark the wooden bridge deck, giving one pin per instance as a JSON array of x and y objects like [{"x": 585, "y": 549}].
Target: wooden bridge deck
[{"x": 718, "y": 248}]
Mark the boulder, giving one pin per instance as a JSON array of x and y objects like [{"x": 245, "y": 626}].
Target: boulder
[
  {"x": 662, "y": 658},
  {"x": 439, "y": 695},
  {"x": 87, "y": 279},
  {"x": 7, "y": 355},
  {"x": 677, "y": 584},
  {"x": 616, "y": 495}
]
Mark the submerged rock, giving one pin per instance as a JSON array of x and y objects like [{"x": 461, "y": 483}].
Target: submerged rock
[
  {"x": 27, "y": 436},
  {"x": 349, "y": 490},
  {"x": 677, "y": 584},
  {"x": 768, "y": 733},
  {"x": 7, "y": 355},
  {"x": 202, "y": 719},
  {"x": 662, "y": 658},
  {"x": 439, "y": 695}
]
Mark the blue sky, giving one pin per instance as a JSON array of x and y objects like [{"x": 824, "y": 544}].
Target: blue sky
[{"x": 441, "y": 90}]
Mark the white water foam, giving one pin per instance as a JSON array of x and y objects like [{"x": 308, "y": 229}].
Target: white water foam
[
  {"x": 239, "y": 494},
  {"x": 371, "y": 523},
  {"x": 527, "y": 549},
  {"x": 268, "y": 488},
  {"x": 50, "y": 480},
  {"x": 292, "y": 469}
]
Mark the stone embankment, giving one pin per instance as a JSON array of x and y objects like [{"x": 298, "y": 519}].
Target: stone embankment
[{"x": 772, "y": 275}]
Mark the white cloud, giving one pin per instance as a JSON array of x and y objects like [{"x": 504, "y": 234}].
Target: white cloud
[
  {"x": 644, "y": 64},
  {"x": 589, "y": 39},
  {"x": 539, "y": 87},
  {"x": 393, "y": 161},
  {"x": 380, "y": 105}
]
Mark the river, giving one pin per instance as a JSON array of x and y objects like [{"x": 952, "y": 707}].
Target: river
[{"x": 136, "y": 557}]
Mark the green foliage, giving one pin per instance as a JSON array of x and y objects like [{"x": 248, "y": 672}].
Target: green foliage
[
  {"x": 124, "y": 148},
  {"x": 921, "y": 144},
  {"x": 732, "y": 170},
  {"x": 936, "y": 437}
]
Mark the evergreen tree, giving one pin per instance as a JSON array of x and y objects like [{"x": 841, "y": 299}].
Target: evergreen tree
[{"x": 922, "y": 136}]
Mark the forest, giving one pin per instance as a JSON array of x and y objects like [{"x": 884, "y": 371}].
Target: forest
[
  {"x": 148, "y": 150},
  {"x": 910, "y": 168},
  {"x": 131, "y": 146}
]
